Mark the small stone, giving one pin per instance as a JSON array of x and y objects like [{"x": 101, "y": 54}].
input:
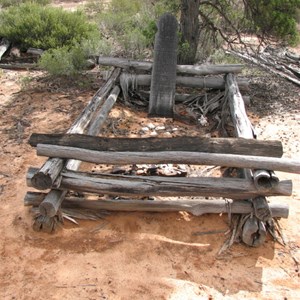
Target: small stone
[
  {"x": 151, "y": 126},
  {"x": 153, "y": 133},
  {"x": 145, "y": 129},
  {"x": 175, "y": 129},
  {"x": 167, "y": 134},
  {"x": 158, "y": 128}
]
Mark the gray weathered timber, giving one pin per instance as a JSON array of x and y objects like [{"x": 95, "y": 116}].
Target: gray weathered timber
[
  {"x": 233, "y": 188},
  {"x": 242, "y": 124},
  {"x": 177, "y": 157},
  {"x": 212, "y": 82},
  {"x": 53, "y": 200},
  {"x": 191, "y": 144},
  {"x": 48, "y": 173},
  {"x": 196, "y": 207},
  {"x": 254, "y": 232},
  {"x": 163, "y": 78},
  {"x": 4, "y": 45},
  {"x": 204, "y": 69},
  {"x": 97, "y": 122}
]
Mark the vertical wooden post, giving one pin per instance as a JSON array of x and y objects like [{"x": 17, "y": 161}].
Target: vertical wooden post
[{"x": 163, "y": 79}]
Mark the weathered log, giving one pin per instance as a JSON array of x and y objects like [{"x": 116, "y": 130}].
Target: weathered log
[
  {"x": 195, "y": 144},
  {"x": 263, "y": 178},
  {"x": 4, "y": 45},
  {"x": 55, "y": 198},
  {"x": 97, "y": 125},
  {"x": 241, "y": 123},
  {"x": 46, "y": 176},
  {"x": 254, "y": 232},
  {"x": 234, "y": 188},
  {"x": 177, "y": 157},
  {"x": 35, "y": 51},
  {"x": 20, "y": 66},
  {"x": 212, "y": 82},
  {"x": 196, "y": 207},
  {"x": 204, "y": 69}
]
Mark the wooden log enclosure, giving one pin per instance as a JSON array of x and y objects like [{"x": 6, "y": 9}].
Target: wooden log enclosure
[{"x": 247, "y": 195}]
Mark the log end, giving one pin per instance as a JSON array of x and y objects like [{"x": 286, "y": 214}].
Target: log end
[
  {"x": 41, "y": 181},
  {"x": 47, "y": 209}
]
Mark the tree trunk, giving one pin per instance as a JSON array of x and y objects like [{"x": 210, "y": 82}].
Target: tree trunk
[{"x": 190, "y": 29}]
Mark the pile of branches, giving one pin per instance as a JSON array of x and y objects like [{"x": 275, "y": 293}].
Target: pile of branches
[{"x": 278, "y": 61}]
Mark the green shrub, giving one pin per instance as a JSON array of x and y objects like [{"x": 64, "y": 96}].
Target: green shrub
[
  {"x": 275, "y": 17},
  {"x": 132, "y": 23},
  {"x": 63, "y": 61},
  {"x": 33, "y": 25},
  {"x": 7, "y": 3}
]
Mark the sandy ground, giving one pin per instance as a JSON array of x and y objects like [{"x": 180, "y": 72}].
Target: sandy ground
[{"x": 134, "y": 255}]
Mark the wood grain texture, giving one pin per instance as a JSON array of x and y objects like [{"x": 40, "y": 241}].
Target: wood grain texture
[
  {"x": 177, "y": 157},
  {"x": 197, "y": 207},
  {"x": 195, "y": 144}
]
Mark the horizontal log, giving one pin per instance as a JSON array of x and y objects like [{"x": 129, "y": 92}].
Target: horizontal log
[
  {"x": 177, "y": 157},
  {"x": 195, "y": 144},
  {"x": 234, "y": 188},
  {"x": 194, "y": 82},
  {"x": 20, "y": 66},
  {"x": 196, "y": 207},
  {"x": 183, "y": 69}
]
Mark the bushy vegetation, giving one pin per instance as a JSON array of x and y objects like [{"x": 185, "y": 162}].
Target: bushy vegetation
[
  {"x": 131, "y": 24},
  {"x": 7, "y": 3},
  {"x": 275, "y": 17},
  {"x": 33, "y": 25}
]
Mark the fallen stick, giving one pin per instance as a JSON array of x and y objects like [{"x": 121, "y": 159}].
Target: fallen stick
[
  {"x": 177, "y": 157},
  {"x": 196, "y": 207}
]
